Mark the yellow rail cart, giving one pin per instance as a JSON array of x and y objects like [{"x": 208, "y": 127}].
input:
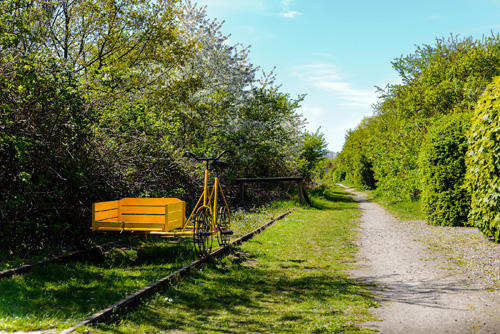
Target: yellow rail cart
[{"x": 167, "y": 216}]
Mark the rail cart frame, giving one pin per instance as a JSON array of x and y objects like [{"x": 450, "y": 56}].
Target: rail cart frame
[{"x": 167, "y": 216}]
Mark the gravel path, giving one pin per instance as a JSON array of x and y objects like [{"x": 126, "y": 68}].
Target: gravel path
[{"x": 427, "y": 279}]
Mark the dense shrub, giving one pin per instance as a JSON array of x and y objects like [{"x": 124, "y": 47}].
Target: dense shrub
[
  {"x": 395, "y": 160},
  {"x": 483, "y": 162},
  {"x": 45, "y": 168},
  {"x": 312, "y": 154},
  {"x": 363, "y": 173},
  {"x": 442, "y": 166}
]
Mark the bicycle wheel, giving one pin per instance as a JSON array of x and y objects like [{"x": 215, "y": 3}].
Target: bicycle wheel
[
  {"x": 202, "y": 234},
  {"x": 223, "y": 226}
]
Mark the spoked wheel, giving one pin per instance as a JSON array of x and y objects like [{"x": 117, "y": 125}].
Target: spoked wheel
[
  {"x": 223, "y": 226},
  {"x": 202, "y": 234}
]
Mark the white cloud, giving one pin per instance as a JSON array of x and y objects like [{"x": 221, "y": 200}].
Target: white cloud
[
  {"x": 334, "y": 101},
  {"x": 327, "y": 77},
  {"x": 435, "y": 17},
  {"x": 286, "y": 11},
  {"x": 290, "y": 14}
]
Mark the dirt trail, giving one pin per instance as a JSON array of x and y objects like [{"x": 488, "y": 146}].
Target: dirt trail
[{"x": 419, "y": 290}]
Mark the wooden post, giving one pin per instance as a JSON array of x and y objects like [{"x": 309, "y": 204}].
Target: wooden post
[
  {"x": 306, "y": 196},
  {"x": 242, "y": 192},
  {"x": 298, "y": 179},
  {"x": 299, "y": 192}
]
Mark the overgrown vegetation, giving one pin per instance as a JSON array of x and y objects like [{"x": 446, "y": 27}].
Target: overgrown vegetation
[
  {"x": 428, "y": 116},
  {"x": 99, "y": 100},
  {"x": 445, "y": 199},
  {"x": 483, "y": 162}
]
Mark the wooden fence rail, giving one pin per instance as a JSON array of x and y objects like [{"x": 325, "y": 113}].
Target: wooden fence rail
[{"x": 302, "y": 193}]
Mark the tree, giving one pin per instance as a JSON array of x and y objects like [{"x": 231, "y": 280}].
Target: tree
[
  {"x": 44, "y": 137},
  {"x": 99, "y": 98},
  {"x": 266, "y": 132},
  {"x": 313, "y": 151}
]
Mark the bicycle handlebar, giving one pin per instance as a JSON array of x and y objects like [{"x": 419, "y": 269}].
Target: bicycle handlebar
[{"x": 209, "y": 159}]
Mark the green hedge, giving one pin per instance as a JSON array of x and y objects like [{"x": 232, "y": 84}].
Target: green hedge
[
  {"x": 483, "y": 162},
  {"x": 442, "y": 167},
  {"x": 363, "y": 173}
]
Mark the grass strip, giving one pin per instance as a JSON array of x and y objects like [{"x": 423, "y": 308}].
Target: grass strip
[
  {"x": 403, "y": 210},
  {"x": 290, "y": 279}
]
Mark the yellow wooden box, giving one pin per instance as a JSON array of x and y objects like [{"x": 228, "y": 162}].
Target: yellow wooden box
[{"x": 139, "y": 215}]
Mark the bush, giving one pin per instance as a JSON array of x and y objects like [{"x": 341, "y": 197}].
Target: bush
[
  {"x": 45, "y": 167},
  {"x": 442, "y": 166},
  {"x": 363, "y": 173},
  {"x": 483, "y": 162}
]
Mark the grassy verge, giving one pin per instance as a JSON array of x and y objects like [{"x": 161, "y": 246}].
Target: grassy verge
[
  {"x": 290, "y": 279},
  {"x": 402, "y": 210}
]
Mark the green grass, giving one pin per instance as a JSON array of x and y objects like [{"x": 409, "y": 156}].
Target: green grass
[
  {"x": 9, "y": 261},
  {"x": 402, "y": 210},
  {"x": 60, "y": 295},
  {"x": 290, "y": 279}
]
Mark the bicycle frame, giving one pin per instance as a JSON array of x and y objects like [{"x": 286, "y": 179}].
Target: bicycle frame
[
  {"x": 208, "y": 216},
  {"x": 207, "y": 199}
]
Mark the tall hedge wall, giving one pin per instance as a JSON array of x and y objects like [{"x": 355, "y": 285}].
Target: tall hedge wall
[
  {"x": 483, "y": 162},
  {"x": 442, "y": 167}
]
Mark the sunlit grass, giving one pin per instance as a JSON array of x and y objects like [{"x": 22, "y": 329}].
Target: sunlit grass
[
  {"x": 290, "y": 279},
  {"x": 245, "y": 221},
  {"x": 404, "y": 210}
]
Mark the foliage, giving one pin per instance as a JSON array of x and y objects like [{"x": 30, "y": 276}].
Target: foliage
[
  {"x": 445, "y": 199},
  {"x": 99, "y": 99},
  {"x": 363, "y": 173},
  {"x": 447, "y": 77},
  {"x": 44, "y": 138},
  {"x": 313, "y": 152},
  {"x": 354, "y": 163},
  {"x": 115, "y": 45},
  {"x": 440, "y": 79},
  {"x": 395, "y": 165},
  {"x": 483, "y": 161},
  {"x": 267, "y": 134}
]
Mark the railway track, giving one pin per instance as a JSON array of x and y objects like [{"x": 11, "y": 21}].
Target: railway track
[
  {"x": 63, "y": 258},
  {"x": 167, "y": 280}
]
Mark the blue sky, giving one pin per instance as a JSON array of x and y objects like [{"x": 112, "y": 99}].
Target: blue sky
[{"x": 336, "y": 52}]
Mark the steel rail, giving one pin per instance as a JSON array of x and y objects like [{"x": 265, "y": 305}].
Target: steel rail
[
  {"x": 62, "y": 258},
  {"x": 167, "y": 280}
]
